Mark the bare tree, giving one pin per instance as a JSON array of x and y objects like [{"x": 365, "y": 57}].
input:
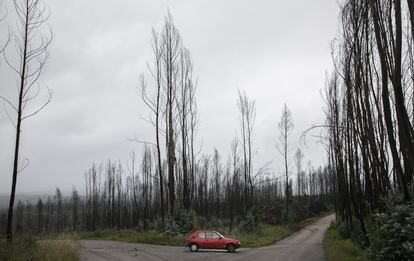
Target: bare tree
[
  {"x": 247, "y": 111},
  {"x": 39, "y": 207},
  {"x": 285, "y": 128},
  {"x": 300, "y": 175},
  {"x": 172, "y": 44},
  {"x": 31, "y": 46},
  {"x": 369, "y": 101},
  {"x": 154, "y": 103},
  {"x": 234, "y": 184},
  {"x": 171, "y": 101},
  {"x": 3, "y": 15},
  {"x": 217, "y": 179},
  {"x": 185, "y": 103}
]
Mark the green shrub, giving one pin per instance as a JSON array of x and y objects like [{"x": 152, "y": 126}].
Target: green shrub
[
  {"x": 201, "y": 222},
  {"x": 62, "y": 249},
  {"x": 344, "y": 230},
  {"x": 24, "y": 249},
  {"x": 355, "y": 233},
  {"x": 270, "y": 212},
  {"x": 339, "y": 249},
  {"x": 20, "y": 249},
  {"x": 248, "y": 223},
  {"x": 392, "y": 232},
  {"x": 215, "y": 222},
  {"x": 180, "y": 222}
]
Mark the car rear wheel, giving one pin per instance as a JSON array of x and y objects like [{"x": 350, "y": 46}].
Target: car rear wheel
[
  {"x": 193, "y": 248},
  {"x": 231, "y": 248}
]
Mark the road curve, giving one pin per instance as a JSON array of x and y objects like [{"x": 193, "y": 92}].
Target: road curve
[{"x": 306, "y": 244}]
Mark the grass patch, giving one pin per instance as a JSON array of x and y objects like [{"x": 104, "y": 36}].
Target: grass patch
[
  {"x": 29, "y": 248},
  {"x": 21, "y": 249},
  {"x": 132, "y": 236},
  {"x": 338, "y": 249},
  {"x": 265, "y": 235}
]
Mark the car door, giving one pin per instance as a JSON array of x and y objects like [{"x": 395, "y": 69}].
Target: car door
[
  {"x": 214, "y": 240},
  {"x": 201, "y": 240},
  {"x": 221, "y": 242}
]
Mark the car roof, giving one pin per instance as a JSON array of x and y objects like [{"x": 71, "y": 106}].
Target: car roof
[{"x": 203, "y": 230}]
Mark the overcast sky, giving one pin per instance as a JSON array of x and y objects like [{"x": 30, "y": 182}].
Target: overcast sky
[{"x": 275, "y": 50}]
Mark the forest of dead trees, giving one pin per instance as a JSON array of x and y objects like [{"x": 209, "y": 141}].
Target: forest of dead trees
[
  {"x": 172, "y": 177},
  {"x": 368, "y": 135},
  {"x": 117, "y": 198},
  {"x": 369, "y": 109},
  {"x": 172, "y": 185}
]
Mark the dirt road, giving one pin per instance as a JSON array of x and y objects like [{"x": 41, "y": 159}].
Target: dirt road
[{"x": 305, "y": 244}]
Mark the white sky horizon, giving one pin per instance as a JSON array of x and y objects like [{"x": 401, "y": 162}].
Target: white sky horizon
[{"x": 276, "y": 51}]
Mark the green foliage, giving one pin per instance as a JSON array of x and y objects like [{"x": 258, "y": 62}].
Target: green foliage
[
  {"x": 300, "y": 208},
  {"x": 214, "y": 222},
  {"x": 355, "y": 233},
  {"x": 270, "y": 212},
  {"x": 339, "y": 249},
  {"x": 249, "y": 231},
  {"x": 133, "y": 236},
  {"x": 201, "y": 222},
  {"x": 155, "y": 225},
  {"x": 248, "y": 223},
  {"x": 263, "y": 235},
  {"x": 25, "y": 249},
  {"x": 50, "y": 250},
  {"x": 20, "y": 249},
  {"x": 344, "y": 230},
  {"x": 392, "y": 232},
  {"x": 180, "y": 222}
]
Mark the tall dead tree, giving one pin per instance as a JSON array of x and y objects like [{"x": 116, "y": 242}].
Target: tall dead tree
[
  {"x": 31, "y": 45},
  {"x": 388, "y": 32},
  {"x": 154, "y": 103},
  {"x": 217, "y": 180},
  {"x": 369, "y": 102},
  {"x": 39, "y": 208},
  {"x": 247, "y": 111},
  {"x": 75, "y": 209},
  {"x": 185, "y": 101},
  {"x": 173, "y": 109},
  {"x": 192, "y": 131},
  {"x": 172, "y": 44},
  {"x": 300, "y": 175},
  {"x": 285, "y": 128}
]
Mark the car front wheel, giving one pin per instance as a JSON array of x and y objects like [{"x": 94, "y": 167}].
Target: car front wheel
[
  {"x": 193, "y": 248},
  {"x": 231, "y": 248}
]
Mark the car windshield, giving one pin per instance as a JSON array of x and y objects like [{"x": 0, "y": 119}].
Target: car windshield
[
  {"x": 220, "y": 235},
  {"x": 212, "y": 235}
]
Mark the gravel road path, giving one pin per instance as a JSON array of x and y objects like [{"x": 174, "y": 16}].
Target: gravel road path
[{"x": 305, "y": 244}]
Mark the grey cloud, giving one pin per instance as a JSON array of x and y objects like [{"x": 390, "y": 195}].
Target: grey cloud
[{"x": 278, "y": 51}]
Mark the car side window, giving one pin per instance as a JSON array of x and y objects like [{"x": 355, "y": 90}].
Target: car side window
[
  {"x": 201, "y": 235},
  {"x": 212, "y": 235}
]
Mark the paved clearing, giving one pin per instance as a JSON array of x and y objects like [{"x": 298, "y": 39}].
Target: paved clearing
[{"x": 305, "y": 244}]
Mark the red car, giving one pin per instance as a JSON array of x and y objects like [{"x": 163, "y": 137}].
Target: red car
[{"x": 209, "y": 239}]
